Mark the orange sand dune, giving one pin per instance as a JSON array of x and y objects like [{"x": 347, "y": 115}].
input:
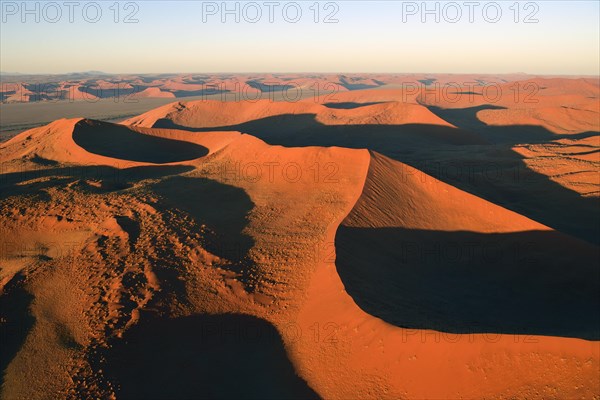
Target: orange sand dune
[
  {"x": 323, "y": 87},
  {"x": 224, "y": 225},
  {"x": 393, "y": 126},
  {"x": 15, "y": 92},
  {"x": 471, "y": 241},
  {"x": 105, "y": 85},
  {"x": 152, "y": 92},
  {"x": 573, "y": 163},
  {"x": 555, "y": 119},
  {"x": 432, "y": 135},
  {"x": 203, "y": 114},
  {"x": 57, "y": 141},
  {"x": 75, "y": 93},
  {"x": 406, "y": 200},
  {"x": 397, "y": 195},
  {"x": 174, "y": 85},
  {"x": 558, "y": 105}
]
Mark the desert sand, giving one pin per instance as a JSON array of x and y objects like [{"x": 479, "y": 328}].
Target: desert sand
[{"x": 305, "y": 250}]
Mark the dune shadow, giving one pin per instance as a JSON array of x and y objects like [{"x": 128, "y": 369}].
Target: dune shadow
[
  {"x": 301, "y": 130},
  {"x": 350, "y": 105},
  {"x": 16, "y": 319},
  {"x": 508, "y": 180},
  {"x": 223, "y": 209},
  {"x": 352, "y": 83},
  {"x": 427, "y": 81},
  {"x": 475, "y": 158},
  {"x": 131, "y": 227},
  {"x": 534, "y": 283},
  {"x": 104, "y": 92},
  {"x": 225, "y": 356},
  {"x": 510, "y": 135},
  {"x": 201, "y": 92},
  {"x": 268, "y": 88},
  {"x": 121, "y": 142}
]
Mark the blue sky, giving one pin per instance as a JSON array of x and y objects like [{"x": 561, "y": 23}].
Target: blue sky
[{"x": 562, "y": 37}]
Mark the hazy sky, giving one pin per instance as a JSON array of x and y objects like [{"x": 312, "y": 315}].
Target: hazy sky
[{"x": 384, "y": 36}]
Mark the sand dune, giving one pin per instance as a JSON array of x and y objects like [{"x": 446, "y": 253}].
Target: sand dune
[
  {"x": 222, "y": 235},
  {"x": 323, "y": 87},
  {"x": 556, "y": 119},
  {"x": 382, "y": 125},
  {"x": 559, "y": 105},
  {"x": 152, "y": 92},
  {"x": 397, "y": 195},
  {"x": 426, "y": 254},
  {"x": 434, "y": 138},
  {"x": 87, "y": 141},
  {"x": 15, "y": 92},
  {"x": 573, "y": 163},
  {"x": 201, "y": 114},
  {"x": 76, "y": 92}
]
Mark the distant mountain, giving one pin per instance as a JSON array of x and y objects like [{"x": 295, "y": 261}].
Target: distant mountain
[{"x": 95, "y": 73}]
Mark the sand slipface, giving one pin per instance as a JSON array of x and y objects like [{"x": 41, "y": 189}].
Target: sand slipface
[{"x": 348, "y": 273}]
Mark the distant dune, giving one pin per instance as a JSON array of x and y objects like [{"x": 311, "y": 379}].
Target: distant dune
[
  {"x": 153, "y": 92},
  {"x": 202, "y": 114},
  {"x": 263, "y": 86}
]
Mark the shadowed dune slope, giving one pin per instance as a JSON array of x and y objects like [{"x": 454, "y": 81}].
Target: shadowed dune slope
[
  {"x": 222, "y": 356},
  {"x": 121, "y": 142}
]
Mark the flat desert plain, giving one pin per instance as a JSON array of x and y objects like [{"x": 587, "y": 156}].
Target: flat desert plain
[{"x": 382, "y": 237}]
